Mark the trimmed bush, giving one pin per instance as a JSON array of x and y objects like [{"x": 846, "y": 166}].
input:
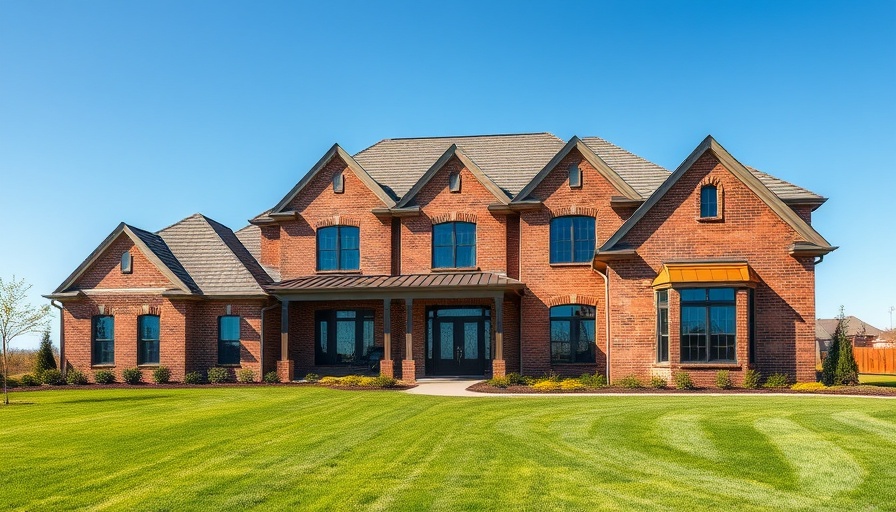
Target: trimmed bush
[
  {"x": 272, "y": 378},
  {"x": 245, "y": 376},
  {"x": 808, "y": 386},
  {"x": 751, "y": 379},
  {"x": 312, "y": 377},
  {"x": 29, "y": 380},
  {"x": 104, "y": 377},
  {"x": 383, "y": 381},
  {"x": 593, "y": 381},
  {"x": 683, "y": 380},
  {"x": 515, "y": 379},
  {"x": 193, "y": 378},
  {"x": 777, "y": 381},
  {"x": 218, "y": 375},
  {"x": 546, "y": 385},
  {"x": 571, "y": 385},
  {"x": 498, "y": 382},
  {"x": 161, "y": 375},
  {"x": 76, "y": 378},
  {"x": 630, "y": 382},
  {"x": 723, "y": 379},
  {"x": 657, "y": 382},
  {"x": 328, "y": 381},
  {"x": 132, "y": 376},
  {"x": 52, "y": 377}
]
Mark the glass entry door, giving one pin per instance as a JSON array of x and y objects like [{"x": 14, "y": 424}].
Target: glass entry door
[{"x": 457, "y": 340}]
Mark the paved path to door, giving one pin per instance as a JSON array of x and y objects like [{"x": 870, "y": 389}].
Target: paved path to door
[{"x": 457, "y": 386}]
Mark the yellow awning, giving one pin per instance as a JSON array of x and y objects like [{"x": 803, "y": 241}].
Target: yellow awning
[{"x": 709, "y": 273}]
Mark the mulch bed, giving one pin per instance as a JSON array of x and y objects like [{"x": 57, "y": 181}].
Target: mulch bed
[
  {"x": 483, "y": 387},
  {"x": 179, "y": 385}
]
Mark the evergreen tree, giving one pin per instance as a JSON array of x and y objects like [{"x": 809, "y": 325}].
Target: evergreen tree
[
  {"x": 847, "y": 370},
  {"x": 45, "y": 360},
  {"x": 829, "y": 366}
]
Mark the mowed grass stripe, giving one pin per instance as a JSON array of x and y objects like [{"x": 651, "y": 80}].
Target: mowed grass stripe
[{"x": 258, "y": 448}]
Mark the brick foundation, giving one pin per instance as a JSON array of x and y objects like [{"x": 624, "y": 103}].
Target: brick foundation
[
  {"x": 408, "y": 370},
  {"x": 387, "y": 368},
  {"x": 499, "y": 368},
  {"x": 286, "y": 370}
]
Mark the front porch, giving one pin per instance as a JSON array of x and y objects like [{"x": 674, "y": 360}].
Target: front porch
[{"x": 422, "y": 324}]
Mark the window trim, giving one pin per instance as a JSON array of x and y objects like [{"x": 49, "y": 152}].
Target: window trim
[
  {"x": 717, "y": 216},
  {"x": 238, "y": 340},
  {"x": 141, "y": 341},
  {"x": 93, "y": 342},
  {"x": 455, "y": 245},
  {"x": 574, "y": 333},
  {"x": 662, "y": 335},
  {"x": 707, "y": 304},
  {"x": 331, "y": 317},
  {"x": 572, "y": 240},
  {"x": 338, "y": 250}
]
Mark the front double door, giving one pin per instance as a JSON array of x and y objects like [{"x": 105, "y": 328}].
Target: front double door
[{"x": 458, "y": 340}]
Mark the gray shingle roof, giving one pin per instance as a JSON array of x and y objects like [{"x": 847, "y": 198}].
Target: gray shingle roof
[
  {"x": 640, "y": 174},
  {"x": 214, "y": 257},
  {"x": 160, "y": 248},
  {"x": 783, "y": 189},
  {"x": 250, "y": 237},
  {"x": 511, "y": 161},
  {"x": 853, "y": 327}
]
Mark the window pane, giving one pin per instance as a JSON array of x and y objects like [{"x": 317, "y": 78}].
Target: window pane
[
  {"x": 471, "y": 340},
  {"x": 721, "y": 294},
  {"x": 561, "y": 240},
  {"x": 327, "y": 260},
  {"x": 560, "y": 330},
  {"x": 428, "y": 338},
  {"x": 104, "y": 328},
  {"x": 693, "y": 334},
  {"x": 443, "y": 257},
  {"x": 446, "y": 340},
  {"x": 583, "y": 311},
  {"x": 443, "y": 234},
  {"x": 466, "y": 233},
  {"x": 326, "y": 238},
  {"x": 662, "y": 297},
  {"x": 346, "y": 314},
  {"x": 583, "y": 235},
  {"x": 229, "y": 328},
  {"x": 585, "y": 343},
  {"x": 149, "y": 327},
  {"x": 708, "y": 201},
  {"x": 324, "y": 340},
  {"x": 692, "y": 294},
  {"x": 367, "y": 340},
  {"x": 345, "y": 341},
  {"x": 562, "y": 311},
  {"x": 466, "y": 257},
  {"x": 442, "y": 312},
  {"x": 487, "y": 334},
  {"x": 349, "y": 237},
  {"x": 229, "y": 352}
]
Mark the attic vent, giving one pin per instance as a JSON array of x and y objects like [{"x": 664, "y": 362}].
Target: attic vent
[
  {"x": 575, "y": 176},
  {"x": 338, "y": 183},
  {"x": 454, "y": 182},
  {"x": 126, "y": 262}
]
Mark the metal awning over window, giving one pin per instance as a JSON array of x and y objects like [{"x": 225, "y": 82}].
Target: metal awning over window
[{"x": 714, "y": 274}]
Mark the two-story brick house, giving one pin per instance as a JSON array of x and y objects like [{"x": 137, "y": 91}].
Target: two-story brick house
[{"x": 472, "y": 255}]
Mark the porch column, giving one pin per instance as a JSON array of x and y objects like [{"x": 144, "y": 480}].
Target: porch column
[
  {"x": 408, "y": 366},
  {"x": 285, "y": 367},
  {"x": 499, "y": 365},
  {"x": 387, "y": 365}
]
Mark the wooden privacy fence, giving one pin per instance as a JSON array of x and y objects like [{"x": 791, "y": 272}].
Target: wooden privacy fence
[{"x": 875, "y": 360}]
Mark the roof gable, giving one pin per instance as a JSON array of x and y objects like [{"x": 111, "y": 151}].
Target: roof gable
[
  {"x": 151, "y": 246},
  {"x": 454, "y": 151},
  {"x": 597, "y": 162},
  {"x": 335, "y": 151},
  {"x": 813, "y": 243}
]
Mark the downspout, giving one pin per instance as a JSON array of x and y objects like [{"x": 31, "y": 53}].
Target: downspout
[
  {"x": 62, "y": 366},
  {"x": 261, "y": 346},
  {"x": 606, "y": 312}
]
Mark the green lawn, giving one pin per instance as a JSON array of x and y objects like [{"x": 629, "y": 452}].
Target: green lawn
[
  {"x": 300, "y": 448},
  {"x": 878, "y": 380}
]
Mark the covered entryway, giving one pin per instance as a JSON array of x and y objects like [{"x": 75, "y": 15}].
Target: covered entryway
[{"x": 458, "y": 340}]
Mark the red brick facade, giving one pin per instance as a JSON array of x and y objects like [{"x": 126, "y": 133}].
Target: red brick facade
[{"x": 511, "y": 241}]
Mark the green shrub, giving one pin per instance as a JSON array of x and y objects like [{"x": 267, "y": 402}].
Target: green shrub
[
  {"x": 29, "y": 380},
  {"x": 245, "y": 376},
  {"x": 272, "y": 378},
  {"x": 132, "y": 376},
  {"x": 352, "y": 381},
  {"x": 498, "y": 382},
  {"x": 76, "y": 378},
  {"x": 104, "y": 377},
  {"x": 44, "y": 359},
  {"x": 515, "y": 379},
  {"x": 10, "y": 381},
  {"x": 808, "y": 386},
  {"x": 630, "y": 382},
  {"x": 777, "y": 381},
  {"x": 312, "y": 377},
  {"x": 52, "y": 377},
  {"x": 329, "y": 381},
  {"x": 550, "y": 376},
  {"x": 723, "y": 379},
  {"x": 751, "y": 379},
  {"x": 193, "y": 378},
  {"x": 161, "y": 375},
  {"x": 593, "y": 380},
  {"x": 384, "y": 381},
  {"x": 218, "y": 375},
  {"x": 657, "y": 382},
  {"x": 683, "y": 380}
]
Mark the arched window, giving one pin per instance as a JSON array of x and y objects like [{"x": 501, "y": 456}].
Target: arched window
[
  {"x": 454, "y": 182},
  {"x": 454, "y": 245},
  {"x": 338, "y": 248},
  {"x": 572, "y": 239},
  {"x": 709, "y": 201},
  {"x": 575, "y": 176},
  {"x": 338, "y": 183},
  {"x": 148, "y": 339},
  {"x": 126, "y": 262},
  {"x": 572, "y": 334},
  {"x": 103, "y": 339}
]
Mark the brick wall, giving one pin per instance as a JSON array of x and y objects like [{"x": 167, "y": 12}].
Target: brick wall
[{"x": 106, "y": 270}]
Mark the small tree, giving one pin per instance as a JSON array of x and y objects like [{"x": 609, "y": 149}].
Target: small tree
[
  {"x": 17, "y": 317},
  {"x": 829, "y": 366},
  {"x": 847, "y": 371},
  {"x": 45, "y": 359}
]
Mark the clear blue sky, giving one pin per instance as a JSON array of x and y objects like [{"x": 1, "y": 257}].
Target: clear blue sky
[{"x": 149, "y": 111}]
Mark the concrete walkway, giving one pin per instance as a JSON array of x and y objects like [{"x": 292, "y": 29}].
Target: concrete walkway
[{"x": 457, "y": 386}]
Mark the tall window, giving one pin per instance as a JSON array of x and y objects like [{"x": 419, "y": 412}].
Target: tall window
[
  {"x": 575, "y": 176},
  {"x": 454, "y": 245},
  {"x": 126, "y": 262},
  {"x": 709, "y": 201},
  {"x": 103, "y": 339},
  {"x": 572, "y": 334},
  {"x": 338, "y": 248},
  {"x": 229, "y": 339},
  {"x": 572, "y": 239},
  {"x": 148, "y": 339},
  {"x": 662, "y": 326},
  {"x": 343, "y": 336},
  {"x": 708, "y": 329}
]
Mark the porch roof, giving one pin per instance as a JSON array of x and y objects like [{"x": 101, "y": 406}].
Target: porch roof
[{"x": 356, "y": 286}]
